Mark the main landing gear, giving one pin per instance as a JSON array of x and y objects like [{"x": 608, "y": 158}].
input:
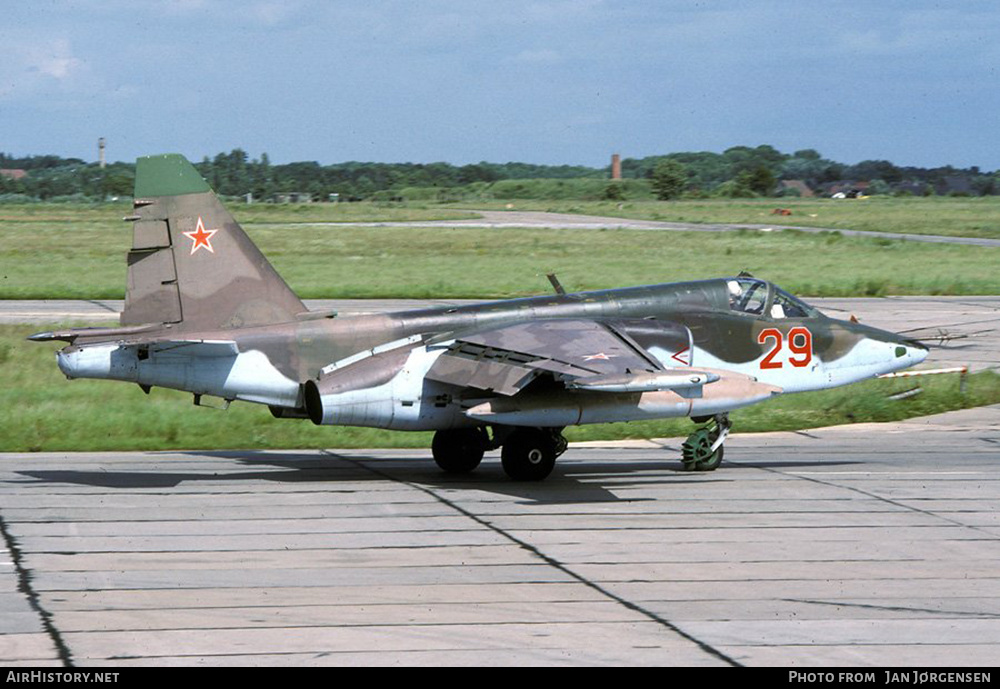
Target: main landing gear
[
  {"x": 527, "y": 454},
  {"x": 702, "y": 451}
]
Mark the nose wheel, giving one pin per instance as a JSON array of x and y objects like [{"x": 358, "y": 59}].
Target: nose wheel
[{"x": 703, "y": 449}]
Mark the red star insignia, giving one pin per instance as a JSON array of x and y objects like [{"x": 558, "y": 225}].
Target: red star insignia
[
  {"x": 602, "y": 355},
  {"x": 201, "y": 237}
]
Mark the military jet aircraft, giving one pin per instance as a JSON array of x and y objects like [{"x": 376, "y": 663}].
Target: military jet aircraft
[{"x": 206, "y": 313}]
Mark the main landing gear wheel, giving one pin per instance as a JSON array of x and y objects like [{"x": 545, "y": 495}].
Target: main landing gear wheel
[
  {"x": 529, "y": 454},
  {"x": 460, "y": 450},
  {"x": 703, "y": 449}
]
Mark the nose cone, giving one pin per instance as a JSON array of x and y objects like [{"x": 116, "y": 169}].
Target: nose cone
[
  {"x": 874, "y": 352},
  {"x": 895, "y": 352}
]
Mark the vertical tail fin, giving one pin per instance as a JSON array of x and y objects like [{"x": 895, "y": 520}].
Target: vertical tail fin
[{"x": 191, "y": 263}]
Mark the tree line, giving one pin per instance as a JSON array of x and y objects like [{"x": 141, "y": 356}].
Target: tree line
[
  {"x": 738, "y": 171},
  {"x": 742, "y": 171}
]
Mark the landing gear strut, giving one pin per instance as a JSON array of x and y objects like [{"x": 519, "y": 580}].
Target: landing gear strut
[{"x": 702, "y": 451}]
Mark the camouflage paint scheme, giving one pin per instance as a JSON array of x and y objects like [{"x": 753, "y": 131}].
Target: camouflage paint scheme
[{"x": 205, "y": 312}]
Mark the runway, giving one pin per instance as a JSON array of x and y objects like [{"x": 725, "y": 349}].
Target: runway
[
  {"x": 573, "y": 221},
  {"x": 860, "y": 545}
]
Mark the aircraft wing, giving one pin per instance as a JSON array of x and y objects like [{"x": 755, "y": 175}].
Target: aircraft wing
[{"x": 583, "y": 354}]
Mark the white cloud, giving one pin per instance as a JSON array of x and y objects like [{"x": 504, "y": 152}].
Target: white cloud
[
  {"x": 34, "y": 68},
  {"x": 272, "y": 12},
  {"x": 55, "y": 60}
]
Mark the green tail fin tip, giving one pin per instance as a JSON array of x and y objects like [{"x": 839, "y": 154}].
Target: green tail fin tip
[{"x": 169, "y": 174}]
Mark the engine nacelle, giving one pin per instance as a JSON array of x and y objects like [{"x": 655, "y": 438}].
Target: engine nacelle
[{"x": 384, "y": 390}]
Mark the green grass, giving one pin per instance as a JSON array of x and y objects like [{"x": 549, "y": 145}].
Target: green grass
[
  {"x": 110, "y": 214},
  {"x": 45, "y": 412},
  {"x": 950, "y": 216},
  {"x": 61, "y": 251},
  {"x": 77, "y": 251}
]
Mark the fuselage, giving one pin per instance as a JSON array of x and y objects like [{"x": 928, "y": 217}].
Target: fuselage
[{"x": 739, "y": 326}]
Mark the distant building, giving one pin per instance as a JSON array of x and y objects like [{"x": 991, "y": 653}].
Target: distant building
[
  {"x": 14, "y": 174},
  {"x": 292, "y": 197}
]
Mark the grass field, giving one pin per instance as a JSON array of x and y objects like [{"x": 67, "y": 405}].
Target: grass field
[
  {"x": 939, "y": 215},
  {"x": 42, "y": 411},
  {"x": 62, "y": 251},
  {"x": 70, "y": 214},
  {"x": 69, "y": 251}
]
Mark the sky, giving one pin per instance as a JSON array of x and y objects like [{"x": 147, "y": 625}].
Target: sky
[{"x": 539, "y": 81}]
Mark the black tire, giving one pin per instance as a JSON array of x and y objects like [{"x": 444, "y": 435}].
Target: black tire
[
  {"x": 459, "y": 451},
  {"x": 529, "y": 454}
]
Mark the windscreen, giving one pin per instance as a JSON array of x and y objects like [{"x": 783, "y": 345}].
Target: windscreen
[
  {"x": 750, "y": 295},
  {"x": 747, "y": 295},
  {"x": 787, "y": 306}
]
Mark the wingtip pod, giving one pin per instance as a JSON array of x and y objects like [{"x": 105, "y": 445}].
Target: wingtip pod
[{"x": 168, "y": 174}]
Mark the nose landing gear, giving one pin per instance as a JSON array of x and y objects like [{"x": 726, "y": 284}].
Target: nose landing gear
[{"x": 703, "y": 449}]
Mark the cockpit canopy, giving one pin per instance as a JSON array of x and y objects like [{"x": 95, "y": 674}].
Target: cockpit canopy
[{"x": 757, "y": 298}]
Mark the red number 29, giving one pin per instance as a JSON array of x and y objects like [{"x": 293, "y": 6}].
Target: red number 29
[{"x": 799, "y": 341}]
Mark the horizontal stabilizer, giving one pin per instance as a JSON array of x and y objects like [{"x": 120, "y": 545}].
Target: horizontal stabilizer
[{"x": 103, "y": 333}]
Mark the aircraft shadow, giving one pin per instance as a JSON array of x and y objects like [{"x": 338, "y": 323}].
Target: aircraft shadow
[{"x": 591, "y": 481}]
